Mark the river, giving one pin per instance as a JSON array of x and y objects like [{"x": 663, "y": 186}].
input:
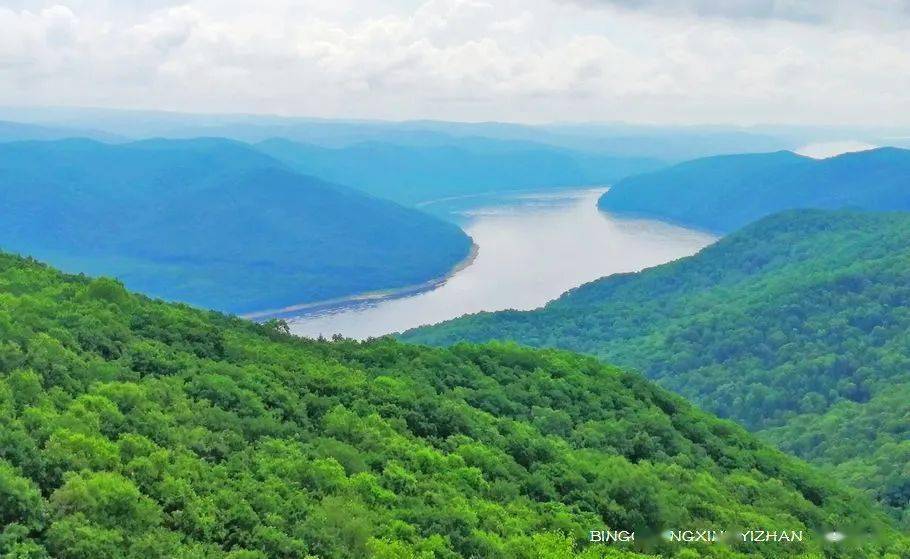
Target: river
[{"x": 532, "y": 248}]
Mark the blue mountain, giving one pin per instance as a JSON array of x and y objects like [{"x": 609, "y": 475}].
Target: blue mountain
[
  {"x": 212, "y": 222},
  {"x": 724, "y": 193},
  {"x": 416, "y": 173}
]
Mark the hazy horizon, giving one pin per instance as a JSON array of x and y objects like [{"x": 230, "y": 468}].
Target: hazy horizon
[{"x": 58, "y": 114}]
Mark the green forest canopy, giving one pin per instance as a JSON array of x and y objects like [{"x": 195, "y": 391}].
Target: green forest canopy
[
  {"x": 213, "y": 223},
  {"x": 798, "y": 327},
  {"x": 141, "y": 429}
]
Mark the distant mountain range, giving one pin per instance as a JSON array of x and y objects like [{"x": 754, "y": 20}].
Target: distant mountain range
[
  {"x": 664, "y": 143},
  {"x": 724, "y": 193},
  {"x": 212, "y": 222},
  {"x": 18, "y": 131},
  {"x": 410, "y": 174},
  {"x": 797, "y": 326}
]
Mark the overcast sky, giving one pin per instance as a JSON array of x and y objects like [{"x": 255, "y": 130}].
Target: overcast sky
[{"x": 662, "y": 61}]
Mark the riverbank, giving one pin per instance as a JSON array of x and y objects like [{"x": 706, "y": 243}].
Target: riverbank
[
  {"x": 536, "y": 246},
  {"x": 369, "y": 296}
]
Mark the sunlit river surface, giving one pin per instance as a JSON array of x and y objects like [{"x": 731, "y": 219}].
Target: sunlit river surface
[{"x": 532, "y": 248}]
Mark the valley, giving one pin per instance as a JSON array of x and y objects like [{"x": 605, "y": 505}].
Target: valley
[
  {"x": 532, "y": 246},
  {"x": 454, "y": 279},
  {"x": 795, "y": 326}
]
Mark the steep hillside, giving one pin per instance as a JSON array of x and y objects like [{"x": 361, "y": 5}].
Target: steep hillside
[
  {"x": 135, "y": 428},
  {"x": 797, "y": 327},
  {"x": 727, "y": 192},
  {"x": 213, "y": 223},
  {"x": 417, "y": 173}
]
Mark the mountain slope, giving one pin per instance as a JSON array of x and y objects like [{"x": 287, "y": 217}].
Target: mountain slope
[
  {"x": 213, "y": 223},
  {"x": 135, "y": 428},
  {"x": 417, "y": 173},
  {"x": 727, "y": 192},
  {"x": 796, "y": 326}
]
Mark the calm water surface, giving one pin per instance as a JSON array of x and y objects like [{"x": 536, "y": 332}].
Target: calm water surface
[{"x": 533, "y": 247}]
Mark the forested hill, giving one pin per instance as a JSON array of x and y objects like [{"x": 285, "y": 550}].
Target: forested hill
[
  {"x": 725, "y": 193},
  {"x": 797, "y": 326},
  {"x": 410, "y": 174},
  {"x": 133, "y": 428},
  {"x": 212, "y": 222}
]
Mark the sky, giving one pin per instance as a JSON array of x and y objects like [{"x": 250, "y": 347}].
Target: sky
[{"x": 645, "y": 61}]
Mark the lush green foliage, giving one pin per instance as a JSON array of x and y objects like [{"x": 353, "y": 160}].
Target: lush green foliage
[
  {"x": 797, "y": 326},
  {"x": 212, "y": 222},
  {"x": 417, "y": 173},
  {"x": 725, "y": 193},
  {"x": 134, "y": 428}
]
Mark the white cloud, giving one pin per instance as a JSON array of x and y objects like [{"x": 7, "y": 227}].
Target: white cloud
[
  {"x": 528, "y": 60},
  {"x": 793, "y": 10},
  {"x": 803, "y": 11}
]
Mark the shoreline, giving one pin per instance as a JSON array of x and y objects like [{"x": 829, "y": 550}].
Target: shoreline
[
  {"x": 377, "y": 295},
  {"x": 554, "y": 190},
  {"x": 652, "y": 216}
]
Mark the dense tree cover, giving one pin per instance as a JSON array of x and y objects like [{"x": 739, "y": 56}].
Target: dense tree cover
[
  {"x": 409, "y": 174},
  {"x": 797, "y": 326},
  {"x": 727, "y": 192},
  {"x": 213, "y": 223},
  {"x": 141, "y": 429}
]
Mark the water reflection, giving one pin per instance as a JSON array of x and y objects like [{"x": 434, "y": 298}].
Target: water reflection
[{"x": 533, "y": 247}]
